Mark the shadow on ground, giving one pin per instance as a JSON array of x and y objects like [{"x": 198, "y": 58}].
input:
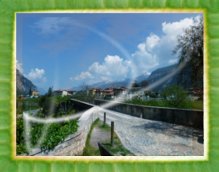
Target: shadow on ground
[{"x": 172, "y": 129}]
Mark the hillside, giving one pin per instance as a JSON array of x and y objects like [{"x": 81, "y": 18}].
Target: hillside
[
  {"x": 183, "y": 78},
  {"x": 23, "y": 85}
]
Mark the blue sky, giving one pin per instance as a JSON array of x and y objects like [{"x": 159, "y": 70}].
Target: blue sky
[{"x": 69, "y": 50}]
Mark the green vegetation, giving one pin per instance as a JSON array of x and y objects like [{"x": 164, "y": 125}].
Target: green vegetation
[
  {"x": 49, "y": 105},
  {"x": 20, "y": 142},
  {"x": 25, "y": 104},
  {"x": 56, "y": 133},
  {"x": 90, "y": 150},
  {"x": 174, "y": 97},
  {"x": 84, "y": 96},
  {"x": 55, "y": 105},
  {"x": 162, "y": 103},
  {"x": 118, "y": 149},
  {"x": 190, "y": 50}
]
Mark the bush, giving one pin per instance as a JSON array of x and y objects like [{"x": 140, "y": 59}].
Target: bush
[
  {"x": 57, "y": 133},
  {"x": 175, "y": 96},
  {"x": 20, "y": 142}
]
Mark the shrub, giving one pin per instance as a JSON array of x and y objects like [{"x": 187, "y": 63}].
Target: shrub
[{"x": 174, "y": 96}]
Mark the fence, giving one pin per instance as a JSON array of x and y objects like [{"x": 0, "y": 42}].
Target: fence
[{"x": 187, "y": 117}]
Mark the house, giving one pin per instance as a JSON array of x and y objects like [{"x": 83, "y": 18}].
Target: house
[
  {"x": 195, "y": 93},
  {"x": 95, "y": 91},
  {"x": 63, "y": 93},
  {"x": 35, "y": 93},
  {"x": 108, "y": 93},
  {"x": 71, "y": 92},
  {"x": 119, "y": 91}
]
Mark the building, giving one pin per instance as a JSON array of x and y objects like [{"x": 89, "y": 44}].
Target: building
[
  {"x": 63, "y": 93},
  {"x": 95, "y": 92},
  {"x": 108, "y": 93},
  {"x": 35, "y": 93}
]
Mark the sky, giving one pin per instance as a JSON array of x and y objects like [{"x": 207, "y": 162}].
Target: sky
[{"x": 64, "y": 51}]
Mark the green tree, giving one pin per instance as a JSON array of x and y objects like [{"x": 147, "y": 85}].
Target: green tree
[
  {"x": 49, "y": 93},
  {"x": 30, "y": 91},
  {"x": 190, "y": 50},
  {"x": 174, "y": 96},
  {"x": 144, "y": 83},
  {"x": 135, "y": 84}
]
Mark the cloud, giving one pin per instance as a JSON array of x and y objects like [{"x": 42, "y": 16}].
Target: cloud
[
  {"x": 51, "y": 25},
  {"x": 175, "y": 28},
  {"x": 156, "y": 51},
  {"x": 144, "y": 59},
  {"x": 37, "y": 75},
  {"x": 82, "y": 76},
  {"x": 113, "y": 68},
  {"x": 19, "y": 66}
]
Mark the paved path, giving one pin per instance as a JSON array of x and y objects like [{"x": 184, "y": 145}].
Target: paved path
[
  {"x": 147, "y": 137},
  {"x": 98, "y": 135}
]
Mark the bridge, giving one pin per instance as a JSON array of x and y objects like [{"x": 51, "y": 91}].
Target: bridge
[{"x": 145, "y": 137}]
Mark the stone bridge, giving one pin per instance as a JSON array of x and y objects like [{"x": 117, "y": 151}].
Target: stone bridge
[{"x": 143, "y": 137}]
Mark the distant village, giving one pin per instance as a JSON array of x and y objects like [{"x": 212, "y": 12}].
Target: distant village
[{"x": 118, "y": 92}]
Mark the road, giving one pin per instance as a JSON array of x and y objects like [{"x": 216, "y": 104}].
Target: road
[{"x": 154, "y": 138}]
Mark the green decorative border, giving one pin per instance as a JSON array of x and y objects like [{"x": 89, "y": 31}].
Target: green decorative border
[{"x": 8, "y": 8}]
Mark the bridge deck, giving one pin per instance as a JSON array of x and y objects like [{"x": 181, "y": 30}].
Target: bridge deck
[{"x": 154, "y": 138}]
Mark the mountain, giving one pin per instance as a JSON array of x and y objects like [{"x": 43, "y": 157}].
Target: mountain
[
  {"x": 114, "y": 84},
  {"x": 159, "y": 74},
  {"x": 104, "y": 85},
  {"x": 182, "y": 78},
  {"x": 142, "y": 77},
  {"x": 23, "y": 85}
]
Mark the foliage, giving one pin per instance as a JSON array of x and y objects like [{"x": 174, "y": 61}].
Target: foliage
[
  {"x": 30, "y": 92},
  {"x": 174, "y": 96},
  {"x": 56, "y": 105},
  {"x": 36, "y": 132},
  {"x": 20, "y": 142},
  {"x": 139, "y": 101},
  {"x": 135, "y": 84},
  {"x": 49, "y": 93},
  {"x": 51, "y": 105},
  {"x": 57, "y": 132},
  {"x": 117, "y": 149},
  {"x": 90, "y": 150},
  {"x": 24, "y": 104},
  {"x": 144, "y": 83},
  {"x": 190, "y": 49},
  {"x": 84, "y": 96}
]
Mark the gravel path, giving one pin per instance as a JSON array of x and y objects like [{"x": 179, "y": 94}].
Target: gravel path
[
  {"x": 147, "y": 137},
  {"x": 98, "y": 135}
]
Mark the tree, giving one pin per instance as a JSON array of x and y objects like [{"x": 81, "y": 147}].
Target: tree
[
  {"x": 135, "y": 84},
  {"x": 30, "y": 91},
  {"x": 174, "y": 96},
  {"x": 144, "y": 83},
  {"x": 49, "y": 93},
  {"x": 190, "y": 50}
]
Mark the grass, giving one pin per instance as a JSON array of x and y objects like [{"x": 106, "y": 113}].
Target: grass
[
  {"x": 118, "y": 149},
  {"x": 90, "y": 150}
]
